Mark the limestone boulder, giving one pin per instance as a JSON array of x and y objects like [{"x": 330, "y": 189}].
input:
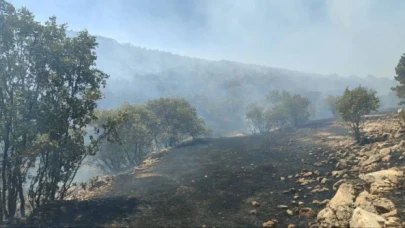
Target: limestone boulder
[
  {"x": 364, "y": 219},
  {"x": 339, "y": 210},
  {"x": 382, "y": 181}
]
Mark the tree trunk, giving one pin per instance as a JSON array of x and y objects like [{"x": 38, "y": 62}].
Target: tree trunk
[
  {"x": 357, "y": 133},
  {"x": 21, "y": 193},
  {"x": 4, "y": 169}
]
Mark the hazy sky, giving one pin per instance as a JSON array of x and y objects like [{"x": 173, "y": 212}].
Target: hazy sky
[{"x": 346, "y": 37}]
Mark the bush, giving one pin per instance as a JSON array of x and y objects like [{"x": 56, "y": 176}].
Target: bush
[
  {"x": 136, "y": 134},
  {"x": 178, "y": 120},
  {"x": 356, "y": 103},
  {"x": 280, "y": 109},
  {"x": 331, "y": 104},
  {"x": 257, "y": 118}
]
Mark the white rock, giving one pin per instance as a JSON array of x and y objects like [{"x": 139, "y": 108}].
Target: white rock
[{"x": 364, "y": 219}]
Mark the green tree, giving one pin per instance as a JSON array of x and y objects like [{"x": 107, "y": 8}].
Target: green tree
[
  {"x": 67, "y": 104},
  {"x": 400, "y": 77},
  {"x": 277, "y": 117},
  {"x": 177, "y": 121},
  {"x": 279, "y": 109},
  {"x": 48, "y": 91},
  {"x": 296, "y": 107},
  {"x": 356, "y": 103},
  {"x": 255, "y": 116},
  {"x": 331, "y": 104},
  {"x": 136, "y": 138}
]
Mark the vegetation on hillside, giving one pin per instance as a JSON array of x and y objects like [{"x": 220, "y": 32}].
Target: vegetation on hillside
[
  {"x": 136, "y": 131},
  {"x": 178, "y": 120},
  {"x": 50, "y": 89},
  {"x": 142, "y": 129},
  {"x": 219, "y": 90},
  {"x": 400, "y": 77},
  {"x": 331, "y": 104},
  {"x": 49, "y": 86},
  {"x": 279, "y": 109},
  {"x": 354, "y": 104}
]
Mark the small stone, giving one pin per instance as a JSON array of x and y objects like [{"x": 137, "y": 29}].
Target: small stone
[
  {"x": 296, "y": 196},
  {"x": 269, "y": 224},
  {"x": 291, "y": 226},
  {"x": 290, "y": 212},
  {"x": 282, "y": 206},
  {"x": 300, "y": 203},
  {"x": 282, "y": 178},
  {"x": 316, "y": 202},
  {"x": 253, "y": 212},
  {"x": 324, "y": 180},
  {"x": 255, "y": 203},
  {"x": 307, "y": 212}
]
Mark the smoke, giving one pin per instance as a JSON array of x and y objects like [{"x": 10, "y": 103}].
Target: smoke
[
  {"x": 346, "y": 37},
  {"x": 337, "y": 36}
]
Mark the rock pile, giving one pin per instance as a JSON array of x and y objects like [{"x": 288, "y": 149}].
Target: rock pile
[{"x": 372, "y": 165}]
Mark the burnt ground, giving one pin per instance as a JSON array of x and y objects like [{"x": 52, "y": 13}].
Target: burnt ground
[{"x": 211, "y": 183}]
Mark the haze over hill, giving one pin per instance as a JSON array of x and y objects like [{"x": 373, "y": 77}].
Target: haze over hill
[
  {"x": 336, "y": 36},
  {"x": 229, "y": 126},
  {"x": 311, "y": 36},
  {"x": 138, "y": 74}
]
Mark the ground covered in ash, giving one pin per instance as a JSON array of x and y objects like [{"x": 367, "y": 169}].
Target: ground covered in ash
[{"x": 274, "y": 179}]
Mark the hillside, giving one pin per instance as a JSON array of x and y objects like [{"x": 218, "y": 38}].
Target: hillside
[
  {"x": 281, "y": 177},
  {"x": 219, "y": 89}
]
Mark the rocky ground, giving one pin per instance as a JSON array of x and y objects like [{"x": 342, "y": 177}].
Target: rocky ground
[
  {"x": 371, "y": 195},
  {"x": 315, "y": 176}
]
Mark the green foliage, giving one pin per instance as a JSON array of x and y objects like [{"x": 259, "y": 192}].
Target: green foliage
[
  {"x": 177, "y": 121},
  {"x": 142, "y": 129},
  {"x": 331, "y": 104},
  {"x": 257, "y": 119},
  {"x": 400, "y": 77},
  {"x": 356, "y": 103},
  {"x": 401, "y": 118},
  {"x": 287, "y": 109},
  {"x": 280, "y": 109},
  {"x": 48, "y": 91},
  {"x": 400, "y": 89},
  {"x": 137, "y": 133}
]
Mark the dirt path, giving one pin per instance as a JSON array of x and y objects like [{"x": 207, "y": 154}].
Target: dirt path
[{"x": 212, "y": 184}]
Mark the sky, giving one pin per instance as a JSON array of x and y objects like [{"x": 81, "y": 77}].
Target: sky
[{"x": 345, "y": 37}]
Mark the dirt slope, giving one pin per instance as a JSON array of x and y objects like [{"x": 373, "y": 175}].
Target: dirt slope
[{"x": 213, "y": 183}]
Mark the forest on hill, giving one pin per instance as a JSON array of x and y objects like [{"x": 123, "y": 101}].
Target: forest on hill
[
  {"x": 68, "y": 99},
  {"x": 220, "y": 90}
]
